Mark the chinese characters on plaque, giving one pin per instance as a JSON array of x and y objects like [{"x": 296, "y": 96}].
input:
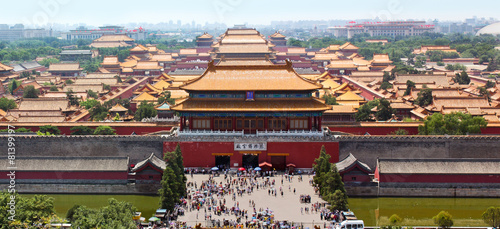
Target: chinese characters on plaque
[{"x": 250, "y": 146}]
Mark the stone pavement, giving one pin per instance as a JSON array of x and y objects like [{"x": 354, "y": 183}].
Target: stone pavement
[{"x": 286, "y": 207}]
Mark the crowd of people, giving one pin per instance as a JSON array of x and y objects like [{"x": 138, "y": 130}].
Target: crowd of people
[{"x": 216, "y": 201}]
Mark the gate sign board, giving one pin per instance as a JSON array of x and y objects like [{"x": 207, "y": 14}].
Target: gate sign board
[{"x": 250, "y": 146}]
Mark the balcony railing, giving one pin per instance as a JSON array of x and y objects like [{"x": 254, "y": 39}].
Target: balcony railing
[
  {"x": 290, "y": 133},
  {"x": 156, "y": 119},
  {"x": 266, "y": 133},
  {"x": 208, "y": 133}
]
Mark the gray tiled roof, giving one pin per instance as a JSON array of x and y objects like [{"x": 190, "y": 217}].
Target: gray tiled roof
[
  {"x": 69, "y": 163},
  {"x": 154, "y": 160},
  {"x": 350, "y": 161},
  {"x": 440, "y": 166}
]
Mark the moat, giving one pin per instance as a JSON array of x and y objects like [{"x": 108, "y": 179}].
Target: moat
[{"x": 374, "y": 211}]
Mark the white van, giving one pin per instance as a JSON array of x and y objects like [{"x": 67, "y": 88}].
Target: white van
[{"x": 351, "y": 224}]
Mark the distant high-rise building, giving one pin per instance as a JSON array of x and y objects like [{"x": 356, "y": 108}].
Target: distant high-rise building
[
  {"x": 82, "y": 32},
  {"x": 17, "y": 32},
  {"x": 389, "y": 28}
]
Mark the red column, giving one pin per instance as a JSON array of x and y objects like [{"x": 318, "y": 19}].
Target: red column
[
  {"x": 234, "y": 123},
  {"x": 212, "y": 123},
  {"x": 190, "y": 123},
  {"x": 309, "y": 122},
  {"x": 287, "y": 123},
  {"x": 182, "y": 123},
  {"x": 319, "y": 123}
]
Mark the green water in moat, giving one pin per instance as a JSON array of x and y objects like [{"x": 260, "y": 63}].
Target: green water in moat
[{"x": 374, "y": 211}]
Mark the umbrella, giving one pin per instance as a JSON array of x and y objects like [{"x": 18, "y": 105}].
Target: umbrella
[
  {"x": 265, "y": 164},
  {"x": 291, "y": 165},
  {"x": 215, "y": 168},
  {"x": 257, "y": 169},
  {"x": 241, "y": 169},
  {"x": 153, "y": 219}
]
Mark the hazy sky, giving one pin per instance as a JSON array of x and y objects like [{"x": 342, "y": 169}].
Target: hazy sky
[{"x": 99, "y": 12}]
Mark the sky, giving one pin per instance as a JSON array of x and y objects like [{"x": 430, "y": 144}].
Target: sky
[{"x": 252, "y": 12}]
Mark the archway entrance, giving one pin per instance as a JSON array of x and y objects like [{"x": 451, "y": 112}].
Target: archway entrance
[
  {"x": 223, "y": 162},
  {"x": 279, "y": 162},
  {"x": 250, "y": 160}
]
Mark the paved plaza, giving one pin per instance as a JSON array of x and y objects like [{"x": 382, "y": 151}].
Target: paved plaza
[{"x": 286, "y": 207}]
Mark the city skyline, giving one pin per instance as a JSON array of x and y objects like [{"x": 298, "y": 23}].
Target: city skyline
[{"x": 230, "y": 12}]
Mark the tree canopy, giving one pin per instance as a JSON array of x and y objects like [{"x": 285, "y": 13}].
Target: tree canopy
[
  {"x": 81, "y": 130},
  {"x": 117, "y": 214},
  {"x": 53, "y": 130},
  {"x": 456, "y": 123},
  {"x": 36, "y": 210},
  {"x": 384, "y": 110},
  {"x": 104, "y": 130},
  {"x": 7, "y": 104},
  {"x": 492, "y": 217},
  {"x": 90, "y": 103},
  {"x": 327, "y": 178},
  {"x": 330, "y": 99},
  {"x": 462, "y": 78},
  {"x": 424, "y": 97},
  {"x": 145, "y": 110},
  {"x": 443, "y": 219},
  {"x": 173, "y": 184},
  {"x": 30, "y": 92}
]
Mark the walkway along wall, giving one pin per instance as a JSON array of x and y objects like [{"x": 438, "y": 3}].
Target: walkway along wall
[{"x": 200, "y": 152}]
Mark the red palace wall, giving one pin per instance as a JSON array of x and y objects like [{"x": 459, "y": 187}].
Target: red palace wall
[
  {"x": 120, "y": 129},
  {"x": 302, "y": 154},
  {"x": 61, "y": 175},
  {"x": 439, "y": 178}
]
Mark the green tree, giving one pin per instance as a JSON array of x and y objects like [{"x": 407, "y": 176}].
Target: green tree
[
  {"x": 399, "y": 132},
  {"x": 395, "y": 219},
  {"x": 71, "y": 212},
  {"x": 7, "y": 104},
  {"x": 384, "y": 110},
  {"x": 104, "y": 130},
  {"x": 30, "y": 92},
  {"x": 73, "y": 100},
  {"x": 490, "y": 84},
  {"x": 168, "y": 198},
  {"x": 53, "y": 130},
  {"x": 53, "y": 88},
  {"x": 68, "y": 82},
  {"x": 388, "y": 77},
  {"x": 492, "y": 217},
  {"x": 98, "y": 112},
  {"x": 424, "y": 97},
  {"x": 364, "y": 112},
  {"x": 106, "y": 87},
  {"x": 81, "y": 130},
  {"x": 462, "y": 78},
  {"x": 13, "y": 85},
  {"x": 165, "y": 97},
  {"x": 456, "y": 123},
  {"x": 92, "y": 94},
  {"x": 339, "y": 201},
  {"x": 409, "y": 86},
  {"x": 330, "y": 99},
  {"x": 90, "y": 103},
  {"x": 117, "y": 214},
  {"x": 443, "y": 219},
  {"x": 18, "y": 130},
  {"x": 321, "y": 166},
  {"x": 145, "y": 110},
  {"x": 385, "y": 85},
  {"x": 179, "y": 161}
]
